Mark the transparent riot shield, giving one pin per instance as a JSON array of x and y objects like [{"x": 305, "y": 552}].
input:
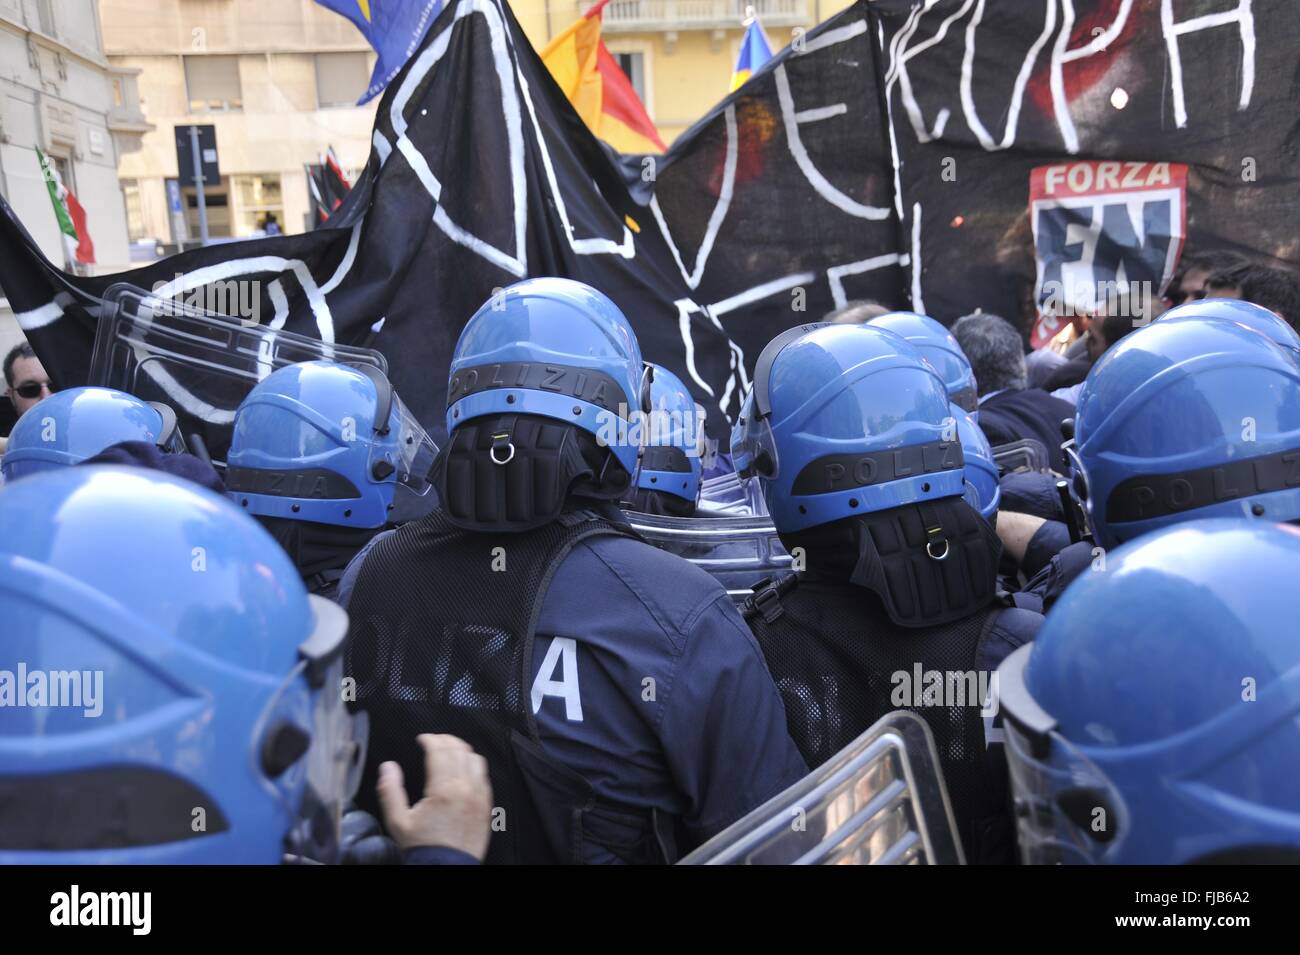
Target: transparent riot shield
[
  {"x": 738, "y": 551},
  {"x": 733, "y": 496},
  {"x": 879, "y": 801},
  {"x": 1027, "y": 454},
  {"x": 200, "y": 363}
]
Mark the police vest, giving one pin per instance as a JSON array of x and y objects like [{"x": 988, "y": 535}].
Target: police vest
[
  {"x": 441, "y": 641},
  {"x": 841, "y": 664}
]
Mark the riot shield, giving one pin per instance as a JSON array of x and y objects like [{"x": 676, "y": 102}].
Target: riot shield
[
  {"x": 1027, "y": 454},
  {"x": 879, "y": 801},
  {"x": 200, "y": 363},
  {"x": 739, "y": 551},
  {"x": 733, "y": 496}
]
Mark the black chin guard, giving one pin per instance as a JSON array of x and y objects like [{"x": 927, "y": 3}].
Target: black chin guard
[
  {"x": 929, "y": 563},
  {"x": 509, "y": 473},
  {"x": 649, "y": 501}
]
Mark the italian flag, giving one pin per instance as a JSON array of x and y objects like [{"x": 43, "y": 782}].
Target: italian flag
[
  {"x": 598, "y": 89},
  {"x": 72, "y": 217}
]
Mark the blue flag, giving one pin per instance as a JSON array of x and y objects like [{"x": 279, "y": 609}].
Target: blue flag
[
  {"x": 395, "y": 28},
  {"x": 754, "y": 52}
]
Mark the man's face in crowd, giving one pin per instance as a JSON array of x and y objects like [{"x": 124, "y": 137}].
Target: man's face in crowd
[
  {"x": 1192, "y": 286},
  {"x": 31, "y": 384},
  {"x": 1223, "y": 293}
]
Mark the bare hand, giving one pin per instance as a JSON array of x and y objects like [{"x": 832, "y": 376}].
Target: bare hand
[{"x": 457, "y": 805}]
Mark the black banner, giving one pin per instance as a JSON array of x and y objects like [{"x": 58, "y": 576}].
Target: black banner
[{"x": 886, "y": 154}]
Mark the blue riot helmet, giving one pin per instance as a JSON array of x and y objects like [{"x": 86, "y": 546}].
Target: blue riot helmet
[
  {"x": 1156, "y": 717},
  {"x": 75, "y": 424},
  {"x": 1187, "y": 419},
  {"x": 674, "y": 444},
  {"x": 983, "y": 491},
  {"x": 326, "y": 442},
  {"x": 555, "y": 348},
  {"x": 1253, "y": 316},
  {"x": 939, "y": 347},
  {"x": 172, "y": 694},
  {"x": 845, "y": 420}
]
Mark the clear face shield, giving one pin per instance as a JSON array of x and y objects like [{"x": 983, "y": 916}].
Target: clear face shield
[
  {"x": 329, "y": 771},
  {"x": 753, "y": 448},
  {"x": 1080, "y": 490},
  {"x": 406, "y": 451},
  {"x": 1067, "y": 811},
  {"x": 170, "y": 440}
]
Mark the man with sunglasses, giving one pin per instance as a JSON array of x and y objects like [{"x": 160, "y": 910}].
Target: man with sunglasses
[
  {"x": 25, "y": 378},
  {"x": 25, "y": 384},
  {"x": 623, "y": 707}
]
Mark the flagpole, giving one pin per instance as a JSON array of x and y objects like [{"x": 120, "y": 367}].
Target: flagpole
[{"x": 198, "y": 184}]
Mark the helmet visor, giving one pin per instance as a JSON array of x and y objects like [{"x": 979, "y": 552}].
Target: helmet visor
[
  {"x": 410, "y": 455},
  {"x": 170, "y": 440},
  {"x": 329, "y": 772},
  {"x": 753, "y": 448},
  {"x": 1080, "y": 489},
  {"x": 1067, "y": 810}
]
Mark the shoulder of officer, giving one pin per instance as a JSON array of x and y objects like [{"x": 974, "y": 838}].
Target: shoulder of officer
[{"x": 671, "y": 589}]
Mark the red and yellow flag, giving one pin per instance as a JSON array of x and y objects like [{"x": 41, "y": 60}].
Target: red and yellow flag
[{"x": 598, "y": 89}]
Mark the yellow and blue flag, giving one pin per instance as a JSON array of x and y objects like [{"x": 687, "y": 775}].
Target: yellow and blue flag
[
  {"x": 754, "y": 52},
  {"x": 395, "y": 28}
]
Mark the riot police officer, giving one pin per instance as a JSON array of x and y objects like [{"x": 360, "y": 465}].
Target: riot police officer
[
  {"x": 1196, "y": 415},
  {"x": 940, "y": 348},
  {"x": 319, "y": 454},
  {"x": 1156, "y": 718},
  {"x": 849, "y": 431},
  {"x": 171, "y": 692},
  {"x": 624, "y": 710},
  {"x": 1248, "y": 314},
  {"x": 668, "y": 481},
  {"x": 74, "y": 425}
]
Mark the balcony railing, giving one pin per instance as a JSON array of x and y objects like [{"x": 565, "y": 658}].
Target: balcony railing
[{"x": 626, "y": 15}]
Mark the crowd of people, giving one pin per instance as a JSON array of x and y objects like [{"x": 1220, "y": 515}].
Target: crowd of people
[{"x": 348, "y": 645}]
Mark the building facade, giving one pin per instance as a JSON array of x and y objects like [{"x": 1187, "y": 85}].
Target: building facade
[
  {"x": 59, "y": 92},
  {"x": 279, "y": 81}
]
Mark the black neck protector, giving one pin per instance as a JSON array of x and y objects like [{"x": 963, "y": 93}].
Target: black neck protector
[
  {"x": 649, "y": 501},
  {"x": 508, "y": 473},
  {"x": 929, "y": 563},
  {"x": 315, "y": 548}
]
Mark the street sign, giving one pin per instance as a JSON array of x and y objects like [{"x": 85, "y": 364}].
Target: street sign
[
  {"x": 207, "y": 155},
  {"x": 180, "y": 228}
]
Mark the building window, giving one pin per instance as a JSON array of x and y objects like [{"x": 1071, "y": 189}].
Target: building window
[
  {"x": 256, "y": 203},
  {"x": 45, "y": 17},
  {"x": 135, "y": 228},
  {"x": 216, "y": 203},
  {"x": 633, "y": 65},
  {"x": 63, "y": 166},
  {"x": 213, "y": 83},
  {"x": 341, "y": 78}
]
